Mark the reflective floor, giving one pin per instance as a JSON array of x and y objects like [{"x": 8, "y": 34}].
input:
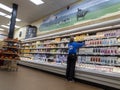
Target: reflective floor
[{"x": 31, "y": 79}]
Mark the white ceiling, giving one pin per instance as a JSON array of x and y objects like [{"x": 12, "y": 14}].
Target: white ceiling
[{"x": 29, "y": 12}]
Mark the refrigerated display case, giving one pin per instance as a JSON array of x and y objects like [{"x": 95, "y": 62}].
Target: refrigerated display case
[{"x": 98, "y": 61}]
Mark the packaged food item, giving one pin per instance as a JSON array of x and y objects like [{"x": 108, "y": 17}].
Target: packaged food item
[
  {"x": 57, "y": 39},
  {"x": 118, "y": 33}
]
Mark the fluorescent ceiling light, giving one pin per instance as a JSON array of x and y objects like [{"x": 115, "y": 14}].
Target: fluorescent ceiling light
[
  {"x": 1, "y": 29},
  {"x": 2, "y": 14},
  {"x": 37, "y": 2},
  {"x": 8, "y": 16},
  {"x": 4, "y": 7},
  {"x": 15, "y": 25},
  {"x": 17, "y": 19},
  {"x": 5, "y": 26}
]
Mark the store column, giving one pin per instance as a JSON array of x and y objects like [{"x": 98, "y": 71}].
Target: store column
[{"x": 13, "y": 21}]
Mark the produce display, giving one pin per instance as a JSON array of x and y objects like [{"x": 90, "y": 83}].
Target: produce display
[{"x": 9, "y": 54}]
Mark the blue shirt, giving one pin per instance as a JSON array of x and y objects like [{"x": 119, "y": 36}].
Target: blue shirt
[{"x": 73, "y": 46}]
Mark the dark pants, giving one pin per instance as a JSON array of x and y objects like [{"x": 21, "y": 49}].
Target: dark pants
[{"x": 70, "y": 71}]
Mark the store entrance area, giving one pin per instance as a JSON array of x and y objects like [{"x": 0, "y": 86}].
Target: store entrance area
[{"x": 31, "y": 79}]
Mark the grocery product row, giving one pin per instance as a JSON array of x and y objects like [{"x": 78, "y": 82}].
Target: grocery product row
[
  {"x": 100, "y": 51},
  {"x": 98, "y": 42},
  {"x": 47, "y": 58},
  {"x": 103, "y": 69},
  {"x": 108, "y": 51},
  {"x": 86, "y": 51},
  {"x": 104, "y": 34},
  {"x": 103, "y": 42},
  {"x": 89, "y": 43},
  {"x": 47, "y": 51},
  {"x": 112, "y": 61},
  {"x": 98, "y": 60}
]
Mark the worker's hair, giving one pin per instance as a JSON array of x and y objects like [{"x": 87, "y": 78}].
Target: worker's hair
[{"x": 71, "y": 39}]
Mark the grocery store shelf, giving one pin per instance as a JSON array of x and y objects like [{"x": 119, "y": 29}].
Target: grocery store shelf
[
  {"x": 88, "y": 39},
  {"x": 114, "y": 45},
  {"x": 54, "y": 42},
  {"x": 10, "y": 53},
  {"x": 45, "y": 53},
  {"x": 113, "y": 55},
  {"x": 45, "y": 48},
  {"x": 10, "y": 47},
  {"x": 104, "y": 78}
]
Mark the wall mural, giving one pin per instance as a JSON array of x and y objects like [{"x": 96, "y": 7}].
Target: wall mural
[
  {"x": 83, "y": 11},
  {"x": 31, "y": 31}
]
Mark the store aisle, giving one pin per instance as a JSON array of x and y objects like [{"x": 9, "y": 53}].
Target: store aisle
[{"x": 30, "y": 79}]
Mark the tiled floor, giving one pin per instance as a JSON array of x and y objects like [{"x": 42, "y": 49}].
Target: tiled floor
[{"x": 31, "y": 79}]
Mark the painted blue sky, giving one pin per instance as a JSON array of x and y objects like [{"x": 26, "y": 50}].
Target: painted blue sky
[{"x": 90, "y": 5}]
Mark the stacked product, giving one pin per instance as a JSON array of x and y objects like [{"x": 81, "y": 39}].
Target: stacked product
[
  {"x": 101, "y": 49},
  {"x": 10, "y": 54}
]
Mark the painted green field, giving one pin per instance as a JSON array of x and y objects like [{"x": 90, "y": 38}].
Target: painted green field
[{"x": 91, "y": 15}]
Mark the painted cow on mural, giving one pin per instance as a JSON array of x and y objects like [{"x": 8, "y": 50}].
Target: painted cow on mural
[{"x": 81, "y": 13}]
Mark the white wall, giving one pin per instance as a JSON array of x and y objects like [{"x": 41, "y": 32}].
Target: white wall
[
  {"x": 23, "y": 30},
  {"x": 2, "y": 33},
  {"x": 17, "y": 32}
]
